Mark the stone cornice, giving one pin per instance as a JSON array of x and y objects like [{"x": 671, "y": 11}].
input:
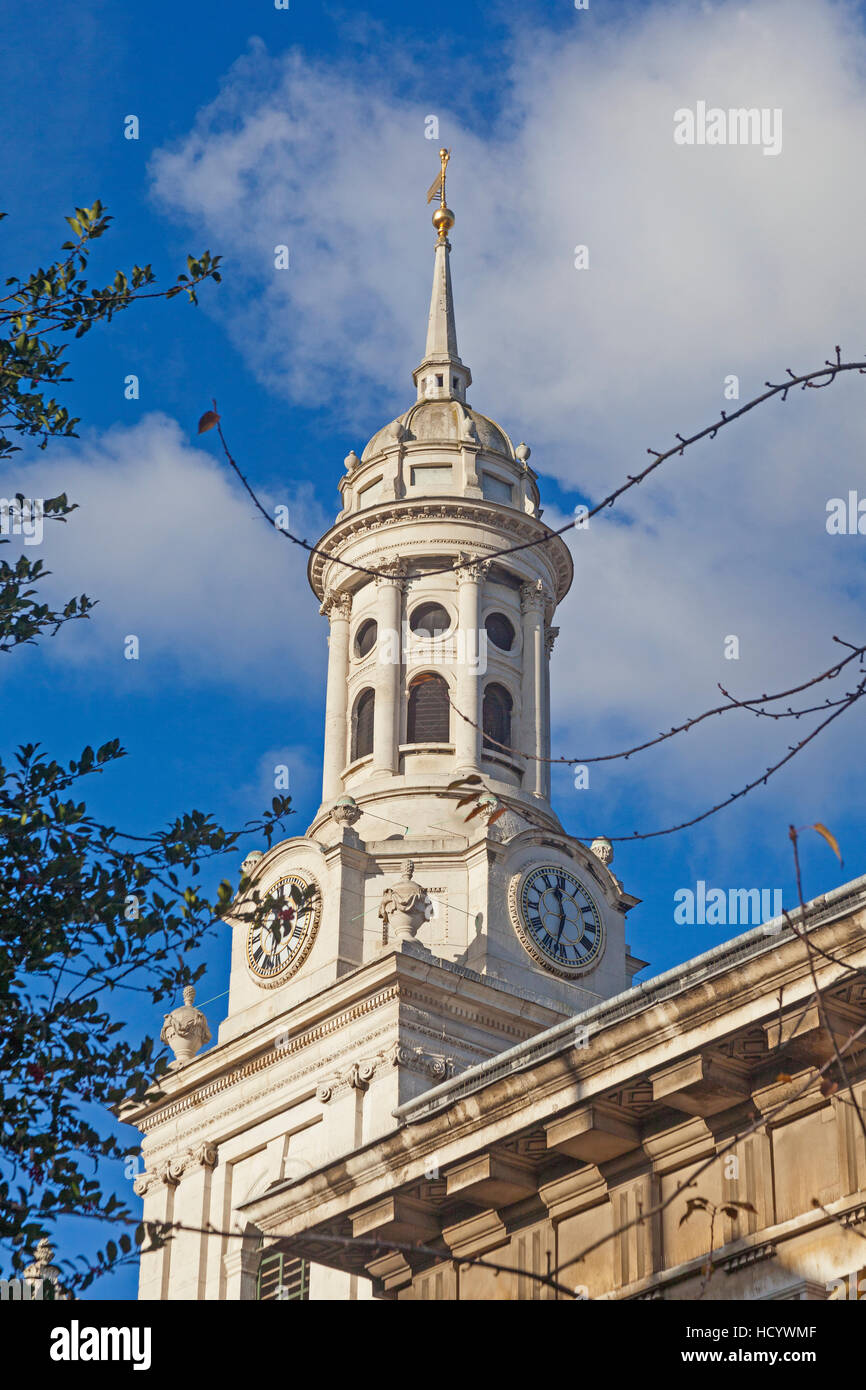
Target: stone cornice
[
  {"x": 206, "y": 1090},
  {"x": 410, "y": 975},
  {"x": 744, "y": 972},
  {"x": 512, "y": 525}
]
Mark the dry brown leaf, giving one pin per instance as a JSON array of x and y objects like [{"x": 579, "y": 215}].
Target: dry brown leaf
[
  {"x": 829, "y": 837},
  {"x": 207, "y": 421}
]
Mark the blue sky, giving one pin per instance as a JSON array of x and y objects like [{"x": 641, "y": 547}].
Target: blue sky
[{"x": 306, "y": 126}]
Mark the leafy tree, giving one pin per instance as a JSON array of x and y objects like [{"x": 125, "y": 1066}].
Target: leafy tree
[
  {"x": 56, "y": 300},
  {"x": 87, "y": 912}
]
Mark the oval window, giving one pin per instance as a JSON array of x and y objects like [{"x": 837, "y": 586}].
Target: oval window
[
  {"x": 500, "y": 631},
  {"x": 429, "y": 620},
  {"x": 365, "y": 640}
]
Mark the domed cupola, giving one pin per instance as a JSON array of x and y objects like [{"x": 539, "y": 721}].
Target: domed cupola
[{"x": 440, "y": 581}]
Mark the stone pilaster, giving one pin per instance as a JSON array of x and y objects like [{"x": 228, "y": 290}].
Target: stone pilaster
[
  {"x": 192, "y": 1172},
  {"x": 241, "y": 1268},
  {"x": 157, "y": 1187}
]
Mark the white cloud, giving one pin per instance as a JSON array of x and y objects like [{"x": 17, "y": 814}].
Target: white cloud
[{"x": 170, "y": 547}]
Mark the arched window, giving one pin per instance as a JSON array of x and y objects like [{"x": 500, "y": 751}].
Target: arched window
[
  {"x": 429, "y": 718},
  {"x": 362, "y": 724},
  {"x": 500, "y": 630},
  {"x": 496, "y": 718},
  {"x": 429, "y": 620},
  {"x": 365, "y": 640}
]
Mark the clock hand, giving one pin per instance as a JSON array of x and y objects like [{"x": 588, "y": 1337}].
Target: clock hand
[{"x": 557, "y": 893}]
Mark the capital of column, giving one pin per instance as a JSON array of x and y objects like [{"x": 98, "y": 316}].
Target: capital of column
[
  {"x": 154, "y": 1177},
  {"x": 532, "y": 597},
  {"x": 171, "y": 1170},
  {"x": 472, "y": 569},
  {"x": 391, "y": 572},
  {"x": 336, "y": 605},
  {"x": 550, "y": 636},
  {"x": 202, "y": 1156}
]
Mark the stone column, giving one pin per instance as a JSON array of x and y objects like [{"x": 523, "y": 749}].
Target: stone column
[
  {"x": 467, "y": 683},
  {"x": 386, "y": 720},
  {"x": 338, "y": 607},
  {"x": 532, "y": 683},
  {"x": 550, "y": 636}
]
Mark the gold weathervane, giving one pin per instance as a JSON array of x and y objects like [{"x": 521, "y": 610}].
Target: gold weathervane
[{"x": 443, "y": 217}]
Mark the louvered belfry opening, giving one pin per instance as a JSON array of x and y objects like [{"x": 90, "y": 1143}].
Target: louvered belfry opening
[
  {"x": 282, "y": 1278},
  {"x": 429, "y": 715},
  {"x": 496, "y": 718},
  {"x": 362, "y": 724}
]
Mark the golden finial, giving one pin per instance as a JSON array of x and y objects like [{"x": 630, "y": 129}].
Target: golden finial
[{"x": 443, "y": 217}]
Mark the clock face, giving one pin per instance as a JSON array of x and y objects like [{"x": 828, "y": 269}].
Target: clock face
[
  {"x": 279, "y": 942},
  {"x": 557, "y": 920}
]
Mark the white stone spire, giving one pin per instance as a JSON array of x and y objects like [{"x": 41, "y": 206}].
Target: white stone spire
[
  {"x": 441, "y": 328},
  {"x": 442, "y": 375}
]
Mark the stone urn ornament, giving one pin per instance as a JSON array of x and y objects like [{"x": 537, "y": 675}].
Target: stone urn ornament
[
  {"x": 42, "y": 1272},
  {"x": 602, "y": 848},
  {"x": 253, "y": 858},
  {"x": 345, "y": 811},
  {"x": 185, "y": 1030},
  {"x": 405, "y": 905}
]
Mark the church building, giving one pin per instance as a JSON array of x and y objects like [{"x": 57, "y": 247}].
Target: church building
[{"x": 435, "y": 1078}]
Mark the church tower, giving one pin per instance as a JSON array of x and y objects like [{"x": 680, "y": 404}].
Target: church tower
[{"x": 436, "y": 912}]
